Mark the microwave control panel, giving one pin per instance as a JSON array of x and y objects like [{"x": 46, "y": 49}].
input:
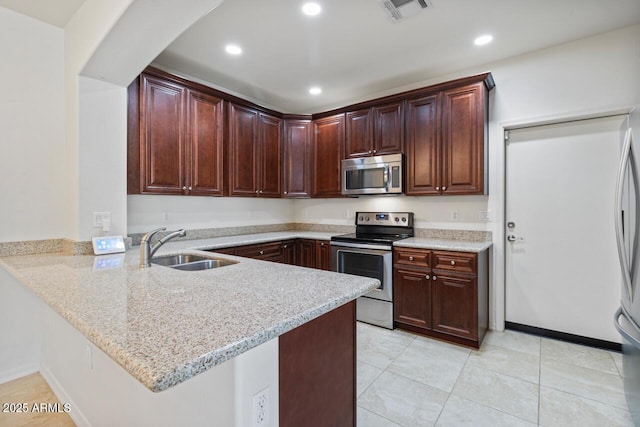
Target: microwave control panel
[{"x": 400, "y": 219}]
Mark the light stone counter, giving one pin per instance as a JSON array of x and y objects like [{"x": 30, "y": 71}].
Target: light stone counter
[
  {"x": 443, "y": 245},
  {"x": 164, "y": 326}
]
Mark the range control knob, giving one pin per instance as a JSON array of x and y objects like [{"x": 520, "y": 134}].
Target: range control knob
[
  {"x": 404, "y": 219},
  {"x": 360, "y": 219},
  {"x": 397, "y": 219},
  {"x": 366, "y": 219}
]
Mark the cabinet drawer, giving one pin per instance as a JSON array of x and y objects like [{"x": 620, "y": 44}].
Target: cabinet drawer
[
  {"x": 261, "y": 251},
  {"x": 415, "y": 258},
  {"x": 461, "y": 262}
]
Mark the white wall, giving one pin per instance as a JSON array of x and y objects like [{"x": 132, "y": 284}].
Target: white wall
[
  {"x": 32, "y": 155},
  {"x": 146, "y": 212}
]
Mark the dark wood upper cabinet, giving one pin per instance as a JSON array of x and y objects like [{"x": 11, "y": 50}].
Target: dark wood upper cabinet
[
  {"x": 375, "y": 131},
  {"x": 464, "y": 127},
  {"x": 446, "y": 142},
  {"x": 297, "y": 158},
  {"x": 423, "y": 146},
  {"x": 328, "y": 152},
  {"x": 270, "y": 156},
  {"x": 205, "y": 145},
  {"x": 255, "y": 152},
  {"x": 177, "y": 145}
]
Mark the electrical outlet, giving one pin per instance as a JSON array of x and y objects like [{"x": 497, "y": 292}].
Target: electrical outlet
[
  {"x": 485, "y": 216},
  {"x": 455, "y": 215},
  {"x": 99, "y": 218},
  {"x": 260, "y": 413}
]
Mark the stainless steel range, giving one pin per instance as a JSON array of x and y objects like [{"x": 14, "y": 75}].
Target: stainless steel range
[{"x": 369, "y": 252}]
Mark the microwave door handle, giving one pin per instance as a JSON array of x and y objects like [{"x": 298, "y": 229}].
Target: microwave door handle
[{"x": 386, "y": 180}]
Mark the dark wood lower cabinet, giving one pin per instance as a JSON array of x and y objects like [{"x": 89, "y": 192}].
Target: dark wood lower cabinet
[
  {"x": 442, "y": 294},
  {"x": 317, "y": 364},
  {"x": 302, "y": 252}
]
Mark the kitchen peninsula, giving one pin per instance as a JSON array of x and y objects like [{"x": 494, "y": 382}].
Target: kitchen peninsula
[{"x": 207, "y": 342}]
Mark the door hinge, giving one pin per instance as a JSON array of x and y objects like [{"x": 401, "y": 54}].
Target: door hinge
[{"x": 506, "y": 135}]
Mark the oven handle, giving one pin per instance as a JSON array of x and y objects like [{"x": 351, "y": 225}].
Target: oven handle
[{"x": 362, "y": 246}]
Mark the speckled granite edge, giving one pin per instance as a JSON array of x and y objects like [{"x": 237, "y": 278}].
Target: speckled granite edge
[
  {"x": 209, "y": 360},
  {"x": 444, "y": 245},
  {"x": 30, "y": 247},
  {"x": 50, "y": 246},
  {"x": 465, "y": 235},
  {"x": 324, "y": 228}
]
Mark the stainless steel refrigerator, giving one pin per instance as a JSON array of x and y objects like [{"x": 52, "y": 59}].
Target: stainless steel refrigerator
[{"x": 627, "y": 226}]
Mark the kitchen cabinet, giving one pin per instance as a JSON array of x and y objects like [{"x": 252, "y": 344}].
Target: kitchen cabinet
[
  {"x": 306, "y": 253},
  {"x": 446, "y": 141},
  {"x": 175, "y": 141},
  {"x": 289, "y": 252},
  {"x": 374, "y": 131},
  {"x": 255, "y": 147},
  {"x": 323, "y": 255},
  {"x": 271, "y": 251},
  {"x": 297, "y": 158},
  {"x": 442, "y": 294},
  {"x": 327, "y": 155}
]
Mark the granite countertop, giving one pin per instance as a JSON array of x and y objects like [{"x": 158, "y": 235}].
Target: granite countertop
[
  {"x": 245, "y": 239},
  {"x": 444, "y": 245},
  {"x": 164, "y": 326}
]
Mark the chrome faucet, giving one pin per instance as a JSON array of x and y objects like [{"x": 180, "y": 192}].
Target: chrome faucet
[{"x": 147, "y": 250}]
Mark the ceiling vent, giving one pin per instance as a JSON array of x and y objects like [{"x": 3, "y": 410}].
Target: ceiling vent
[{"x": 402, "y": 9}]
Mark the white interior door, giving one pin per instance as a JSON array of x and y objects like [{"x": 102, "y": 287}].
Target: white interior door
[{"x": 562, "y": 270}]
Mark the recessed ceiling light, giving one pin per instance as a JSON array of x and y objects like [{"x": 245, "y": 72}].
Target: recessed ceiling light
[
  {"x": 315, "y": 90},
  {"x": 311, "y": 9},
  {"x": 482, "y": 40},
  {"x": 233, "y": 49}
]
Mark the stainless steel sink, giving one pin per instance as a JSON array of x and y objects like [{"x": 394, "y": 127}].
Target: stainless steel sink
[{"x": 189, "y": 262}]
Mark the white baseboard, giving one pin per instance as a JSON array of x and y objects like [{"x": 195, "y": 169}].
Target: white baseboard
[
  {"x": 19, "y": 372},
  {"x": 76, "y": 414}
]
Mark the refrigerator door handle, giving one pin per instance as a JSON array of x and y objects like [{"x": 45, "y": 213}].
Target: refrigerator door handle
[
  {"x": 622, "y": 171},
  {"x": 625, "y": 334}
]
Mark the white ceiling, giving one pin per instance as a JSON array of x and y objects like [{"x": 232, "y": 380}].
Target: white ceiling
[{"x": 352, "y": 50}]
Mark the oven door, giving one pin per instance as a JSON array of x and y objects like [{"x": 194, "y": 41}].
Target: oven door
[{"x": 368, "y": 263}]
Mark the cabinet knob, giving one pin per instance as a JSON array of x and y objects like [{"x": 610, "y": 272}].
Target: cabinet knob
[
  {"x": 410, "y": 258},
  {"x": 256, "y": 191},
  {"x": 184, "y": 188},
  {"x": 286, "y": 192},
  {"x": 437, "y": 188},
  {"x": 369, "y": 151},
  {"x": 260, "y": 191},
  {"x": 453, "y": 262},
  {"x": 190, "y": 188},
  {"x": 434, "y": 277},
  {"x": 284, "y": 246},
  {"x": 427, "y": 277},
  {"x": 375, "y": 151},
  {"x": 322, "y": 244},
  {"x": 261, "y": 252},
  {"x": 444, "y": 188}
]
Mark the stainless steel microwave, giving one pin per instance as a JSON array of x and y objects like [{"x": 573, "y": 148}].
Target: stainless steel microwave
[{"x": 372, "y": 175}]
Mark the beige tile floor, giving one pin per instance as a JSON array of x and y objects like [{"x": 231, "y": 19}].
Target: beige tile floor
[{"x": 515, "y": 379}]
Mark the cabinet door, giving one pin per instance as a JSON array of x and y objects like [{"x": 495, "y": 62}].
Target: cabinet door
[
  {"x": 289, "y": 252},
  {"x": 323, "y": 255},
  {"x": 423, "y": 146},
  {"x": 243, "y": 158},
  {"x": 270, "y": 156},
  {"x": 455, "y": 307},
  {"x": 264, "y": 251},
  {"x": 412, "y": 297},
  {"x": 306, "y": 253},
  {"x": 328, "y": 149},
  {"x": 388, "y": 130},
  {"x": 297, "y": 158},
  {"x": 162, "y": 130},
  {"x": 205, "y": 171},
  {"x": 358, "y": 128},
  {"x": 463, "y": 140}
]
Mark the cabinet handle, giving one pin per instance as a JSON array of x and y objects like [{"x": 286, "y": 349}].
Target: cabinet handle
[
  {"x": 427, "y": 277},
  {"x": 453, "y": 262},
  {"x": 410, "y": 258},
  {"x": 261, "y": 252},
  {"x": 434, "y": 277}
]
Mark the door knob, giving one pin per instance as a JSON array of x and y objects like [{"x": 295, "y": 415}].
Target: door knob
[{"x": 513, "y": 238}]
